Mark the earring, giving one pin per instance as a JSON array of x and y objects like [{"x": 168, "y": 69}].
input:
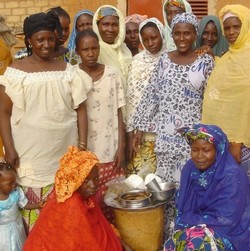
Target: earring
[{"x": 30, "y": 46}]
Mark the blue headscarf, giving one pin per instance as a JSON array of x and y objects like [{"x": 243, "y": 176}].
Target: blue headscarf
[
  {"x": 71, "y": 44},
  {"x": 219, "y": 196}
]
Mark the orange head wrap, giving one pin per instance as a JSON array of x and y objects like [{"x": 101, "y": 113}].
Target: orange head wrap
[{"x": 75, "y": 166}]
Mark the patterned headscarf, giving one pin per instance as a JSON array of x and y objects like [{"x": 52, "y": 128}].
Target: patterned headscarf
[
  {"x": 135, "y": 18},
  {"x": 186, "y": 18},
  {"x": 106, "y": 11},
  {"x": 177, "y": 3},
  {"x": 75, "y": 167}
]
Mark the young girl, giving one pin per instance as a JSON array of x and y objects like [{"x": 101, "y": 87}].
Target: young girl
[
  {"x": 106, "y": 132},
  {"x": 71, "y": 219},
  {"x": 12, "y": 233}
]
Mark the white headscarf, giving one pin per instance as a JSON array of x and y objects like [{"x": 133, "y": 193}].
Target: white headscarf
[{"x": 140, "y": 71}]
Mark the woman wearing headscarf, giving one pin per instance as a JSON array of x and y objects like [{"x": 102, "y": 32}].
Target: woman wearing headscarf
[
  {"x": 42, "y": 110},
  {"x": 213, "y": 211},
  {"x": 169, "y": 9},
  {"x": 109, "y": 25},
  {"x": 71, "y": 218},
  {"x": 173, "y": 98},
  {"x": 132, "y": 40},
  {"x": 226, "y": 99},
  {"x": 210, "y": 34},
  {"x": 82, "y": 21},
  {"x": 140, "y": 71}
]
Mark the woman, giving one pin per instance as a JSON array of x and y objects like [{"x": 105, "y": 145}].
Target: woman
[
  {"x": 42, "y": 110},
  {"x": 61, "y": 52},
  {"x": 105, "y": 122},
  {"x": 228, "y": 96},
  {"x": 169, "y": 10},
  {"x": 109, "y": 25},
  {"x": 71, "y": 219},
  {"x": 132, "y": 40},
  {"x": 213, "y": 211},
  {"x": 172, "y": 99},
  {"x": 82, "y": 21},
  {"x": 151, "y": 34},
  {"x": 210, "y": 34}
]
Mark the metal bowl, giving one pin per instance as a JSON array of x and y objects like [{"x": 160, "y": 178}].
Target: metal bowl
[
  {"x": 135, "y": 199},
  {"x": 168, "y": 191}
]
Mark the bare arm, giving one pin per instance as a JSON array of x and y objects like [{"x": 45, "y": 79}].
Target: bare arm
[
  {"x": 82, "y": 123},
  {"x": 235, "y": 150},
  {"x": 120, "y": 153},
  {"x": 11, "y": 155},
  {"x": 30, "y": 206}
]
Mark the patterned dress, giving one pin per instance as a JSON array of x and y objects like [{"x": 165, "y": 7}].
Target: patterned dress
[
  {"x": 172, "y": 99},
  {"x": 12, "y": 233}
]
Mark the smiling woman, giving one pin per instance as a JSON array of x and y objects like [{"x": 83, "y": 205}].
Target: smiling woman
[
  {"x": 173, "y": 98},
  {"x": 42, "y": 110}
]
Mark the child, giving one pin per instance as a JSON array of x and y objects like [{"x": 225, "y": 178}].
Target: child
[
  {"x": 71, "y": 220},
  {"x": 106, "y": 132},
  {"x": 12, "y": 233}
]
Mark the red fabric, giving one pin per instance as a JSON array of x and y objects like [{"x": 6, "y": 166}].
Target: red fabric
[{"x": 71, "y": 226}]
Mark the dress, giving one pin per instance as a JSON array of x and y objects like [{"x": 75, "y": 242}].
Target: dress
[
  {"x": 73, "y": 225},
  {"x": 43, "y": 121},
  {"x": 172, "y": 99},
  {"x": 140, "y": 71},
  {"x": 218, "y": 197},
  {"x": 12, "y": 233},
  {"x": 228, "y": 96},
  {"x": 104, "y": 100}
]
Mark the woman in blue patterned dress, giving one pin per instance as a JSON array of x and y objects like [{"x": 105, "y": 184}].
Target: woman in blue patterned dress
[{"x": 173, "y": 99}]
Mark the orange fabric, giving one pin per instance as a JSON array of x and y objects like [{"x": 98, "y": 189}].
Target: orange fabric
[
  {"x": 73, "y": 225},
  {"x": 75, "y": 166}
]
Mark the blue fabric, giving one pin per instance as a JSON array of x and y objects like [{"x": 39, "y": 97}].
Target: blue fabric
[
  {"x": 218, "y": 197},
  {"x": 71, "y": 44}
]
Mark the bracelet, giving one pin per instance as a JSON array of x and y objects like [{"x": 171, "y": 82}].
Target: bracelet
[{"x": 82, "y": 145}]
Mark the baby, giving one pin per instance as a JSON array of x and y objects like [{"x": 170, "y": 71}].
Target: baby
[{"x": 12, "y": 232}]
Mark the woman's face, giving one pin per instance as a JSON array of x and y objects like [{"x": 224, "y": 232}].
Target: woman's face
[
  {"x": 203, "y": 154},
  {"x": 88, "y": 49},
  {"x": 109, "y": 29},
  {"x": 151, "y": 39},
  {"x": 184, "y": 35},
  {"x": 84, "y": 22},
  {"x": 171, "y": 12},
  {"x": 65, "y": 22},
  {"x": 43, "y": 43},
  {"x": 232, "y": 27},
  {"x": 132, "y": 35},
  {"x": 91, "y": 184},
  {"x": 210, "y": 35}
]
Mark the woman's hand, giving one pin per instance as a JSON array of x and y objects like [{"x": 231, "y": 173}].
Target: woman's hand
[
  {"x": 119, "y": 158},
  {"x": 137, "y": 140},
  {"x": 235, "y": 150},
  {"x": 12, "y": 158},
  {"x": 205, "y": 49}
]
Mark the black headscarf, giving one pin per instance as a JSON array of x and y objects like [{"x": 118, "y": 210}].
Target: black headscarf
[{"x": 38, "y": 22}]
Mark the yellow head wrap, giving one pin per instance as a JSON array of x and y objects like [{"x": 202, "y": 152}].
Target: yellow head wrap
[{"x": 75, "y": 166}]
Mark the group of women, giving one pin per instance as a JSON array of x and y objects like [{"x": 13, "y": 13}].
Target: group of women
[{"x": 171, "y": 82}]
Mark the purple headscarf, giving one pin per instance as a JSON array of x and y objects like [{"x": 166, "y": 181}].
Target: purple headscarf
[{"x": 219, "y": 196}]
